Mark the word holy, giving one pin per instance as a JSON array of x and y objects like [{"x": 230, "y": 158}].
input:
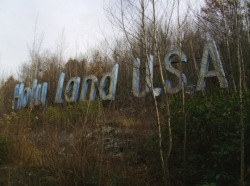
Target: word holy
[{"x": 25, "y": 97}]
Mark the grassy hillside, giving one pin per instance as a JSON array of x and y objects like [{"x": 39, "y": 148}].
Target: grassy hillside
[{"x": 103, "y": 143}]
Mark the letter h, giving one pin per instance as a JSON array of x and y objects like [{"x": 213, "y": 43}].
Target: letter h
[{"x": 18, "y": 96}]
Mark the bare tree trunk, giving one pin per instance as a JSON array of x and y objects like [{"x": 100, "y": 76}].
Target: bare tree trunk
[
  {"x": 153, "y": 93},
  {"x": 243, "y": 70},
  {"x": 228, "y": 49},
  {"x": 242, "y": 127},
  {"x": 167, "y": 98},
  {"x": 194, "y": 60},
  {"x": 183, "y": 97},
  {"x": 247, "y": 21},
  {"x": 34, "y": 53}
]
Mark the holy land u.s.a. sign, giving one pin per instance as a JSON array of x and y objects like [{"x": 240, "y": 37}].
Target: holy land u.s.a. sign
[{"x": 25, "y": 97}]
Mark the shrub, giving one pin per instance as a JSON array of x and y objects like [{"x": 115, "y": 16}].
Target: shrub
[{"x": 4, "y": 152}]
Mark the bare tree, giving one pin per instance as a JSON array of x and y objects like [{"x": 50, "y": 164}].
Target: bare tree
[
  {"x": 138, "y": 21},
  {"x": 153, "y": 92},
  {"x": 228, "y": 47},
  {"x": 35, "y": 54},
  {"x": 242, "y": 127},
  {"x": 158, "y": 56}
]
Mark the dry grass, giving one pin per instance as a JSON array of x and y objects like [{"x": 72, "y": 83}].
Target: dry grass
[{"x": 92, "y": 149}]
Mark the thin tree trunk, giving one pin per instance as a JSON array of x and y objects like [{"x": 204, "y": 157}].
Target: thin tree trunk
[
  {"x": 243, "y": 70},
  {"x": 155, "y": 101},
  {"x": 242, "y": 127},
  {"x": 183, "y": 98},
  {"x": 167, "y": 99},
  {"x": 247, "y": 21},
  {"x": 228, "y": 49},
  {"x": 194, "y": 60}
]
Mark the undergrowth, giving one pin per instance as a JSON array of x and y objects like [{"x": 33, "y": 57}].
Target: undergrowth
[{"x": 92, "y": 143}]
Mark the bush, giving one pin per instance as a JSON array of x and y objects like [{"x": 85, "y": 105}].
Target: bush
[
  {"x": 4, "y": 153},
  {"x": 213, "y": 138}
]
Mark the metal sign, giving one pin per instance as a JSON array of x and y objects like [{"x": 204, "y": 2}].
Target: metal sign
[{"x": 25, "y": 97}]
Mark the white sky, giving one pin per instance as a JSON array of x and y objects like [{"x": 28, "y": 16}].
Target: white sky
[{"x": 81, "y": 21}]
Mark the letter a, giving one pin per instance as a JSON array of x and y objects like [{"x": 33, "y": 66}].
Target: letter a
[{"x": 210, "y": 50}]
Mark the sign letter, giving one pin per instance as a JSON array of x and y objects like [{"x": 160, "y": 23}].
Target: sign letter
[
  {"x": 71, "y": 89},
  {"x": 18, "y": 96},
  {"x": 58, "y": 98},
  {"x": 210, "y": 50},
  {"x": 94, "y": 84},
  {"x": 37, "y": 91},
  {"x": 112, "y": 86},
  {"x": 26, "y": 96},
  {"x": 136, "y": 77},
  {"x": 181, "y": 77}
]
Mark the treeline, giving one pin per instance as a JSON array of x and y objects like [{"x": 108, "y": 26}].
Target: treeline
[{"x": 216, "y": 21}]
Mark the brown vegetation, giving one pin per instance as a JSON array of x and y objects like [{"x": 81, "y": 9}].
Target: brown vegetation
[{"x": 136, "y": 141}]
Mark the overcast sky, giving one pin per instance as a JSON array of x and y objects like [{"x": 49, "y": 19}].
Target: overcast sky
[{"x": 81, "y": 22}]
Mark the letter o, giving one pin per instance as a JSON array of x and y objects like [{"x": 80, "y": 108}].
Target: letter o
[{"x": 26, "y": 97}]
